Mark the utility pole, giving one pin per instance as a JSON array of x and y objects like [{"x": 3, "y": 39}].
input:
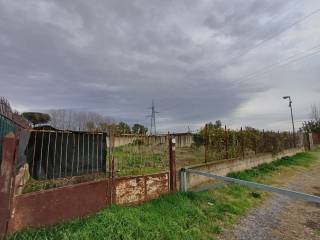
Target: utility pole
[
  {"x": 293, "y": 129},
  {"x": 153, "y": 129}
]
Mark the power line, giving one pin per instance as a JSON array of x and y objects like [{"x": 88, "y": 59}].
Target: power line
[
  {"x": 270, "y": 67},
  {"x": 273, "y": 35},
  {"x": 289, "y": 60},
  {"x": 279, "y": 32}
]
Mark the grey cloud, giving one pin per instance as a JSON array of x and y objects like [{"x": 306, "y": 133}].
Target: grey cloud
[{"x": 115, "y": 56}]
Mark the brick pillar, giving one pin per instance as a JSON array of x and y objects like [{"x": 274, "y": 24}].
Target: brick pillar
[{"x": 7, "y": 180}]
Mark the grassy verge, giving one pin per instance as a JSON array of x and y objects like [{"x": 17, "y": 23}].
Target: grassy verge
[
  {"x": 259, "y": 173},
  {"x": 179, "y": 216}
]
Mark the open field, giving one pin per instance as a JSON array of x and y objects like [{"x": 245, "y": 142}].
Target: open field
[{"x": 201, "y": 215}]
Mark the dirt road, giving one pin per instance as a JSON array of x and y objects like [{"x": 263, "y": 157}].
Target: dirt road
[{"x": 281, "y": 217}]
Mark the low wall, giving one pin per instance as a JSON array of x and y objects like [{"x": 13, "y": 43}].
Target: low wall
[
  {"x": 56, "y": 205},
  {"x": 233, "y": 165},
  {"x": 182, "y": 140},
  {"x": 133, "y": 190},
  {"x": 316, "y": 138},
  {"x": 52, "y": 206}
]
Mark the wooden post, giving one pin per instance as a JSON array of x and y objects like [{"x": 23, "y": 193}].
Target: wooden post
[
  {"x": 264, "y": 141},
  {"x": 206, "y": 143},
  {"x": 226, "y": 141},
  {"x": 242, "y": 143},
  {"x": 172, "y": 163},
  {"x": 255, "y": 144},
  {"x": 7, "y": 180}
]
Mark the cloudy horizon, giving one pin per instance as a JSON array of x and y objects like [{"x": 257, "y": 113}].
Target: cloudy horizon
[{"x": 199, "y": 60}]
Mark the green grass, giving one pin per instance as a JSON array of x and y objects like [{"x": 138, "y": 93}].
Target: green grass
[
  {"x": 135, "y": 159},
  {"x": 304, "y": 159},
  {"x": 177, "y": 216}
]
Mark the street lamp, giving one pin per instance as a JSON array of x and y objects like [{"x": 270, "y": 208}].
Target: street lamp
[{"x": 293, "y": 130}]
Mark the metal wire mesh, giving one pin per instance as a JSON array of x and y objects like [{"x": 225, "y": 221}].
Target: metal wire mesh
[
  {"x": 138, "y": 155},
  {"x": 212, "y": 144}
]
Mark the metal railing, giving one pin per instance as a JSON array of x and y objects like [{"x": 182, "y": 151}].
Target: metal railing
[
  {"x": 55, "y": 154},
  {"x": 283, "y": 191},
  {"x": 140, "y": 154}
]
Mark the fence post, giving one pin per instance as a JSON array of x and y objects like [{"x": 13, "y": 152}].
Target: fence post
[
  {"x": 110, "y": 169},
  {"x": 172, "y": 163},
  {"x": 255, "y": 144},
  {"x": 242, "y": 143},
  {"x": 7, "y": 180},
  {"x": 183, "y": 180},
  {"x": 206, "y": 142},
  {"x": 226, "y": 141},
  {"x": 264, "y": 141}
]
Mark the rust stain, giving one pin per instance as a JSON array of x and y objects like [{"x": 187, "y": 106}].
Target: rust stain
[
  {"x": 130, "y": 190},
  {"x": 55, "y": 205},
  {"x": 133, "y": 190},
  {"x": 156, "y": 186}
]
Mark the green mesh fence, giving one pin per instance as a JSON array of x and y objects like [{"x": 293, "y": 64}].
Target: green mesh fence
[{"x": 6, "y": 126}]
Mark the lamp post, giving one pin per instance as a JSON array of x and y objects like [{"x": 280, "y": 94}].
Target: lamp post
[{"x": 293, "y": 130}]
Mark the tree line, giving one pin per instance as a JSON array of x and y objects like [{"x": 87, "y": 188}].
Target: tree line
[
  {"x": 82, "y": 121},
  {"x": 313, "y": 125}
]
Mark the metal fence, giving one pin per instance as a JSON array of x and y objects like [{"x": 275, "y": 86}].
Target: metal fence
[
  {"x": 218, "y": 143},
  {"x": 9, "y": 122},
  {"x": 140, "y": 154},
  {"x": 53, "y": 154},
  {"x": 6, "y": 126}
]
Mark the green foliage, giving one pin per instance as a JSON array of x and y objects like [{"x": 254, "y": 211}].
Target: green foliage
[
  {"x": 180, "y": 216},
  {"x": 123, "y": 128},
  {"x": 198, "y": 139},
  {"x": 311, "y": 126},
  {"x": 137, "y": 158},
  {"x": 103, "y": 126},
  {"x": 139, "y": 129},
  {"x": 222, "y": 143},
  {"x": 138, "y": 142},
  {"x": 36, "y": 117}
]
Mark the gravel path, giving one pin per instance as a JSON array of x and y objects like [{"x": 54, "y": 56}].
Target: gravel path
[{"x": 281, "y": 217}]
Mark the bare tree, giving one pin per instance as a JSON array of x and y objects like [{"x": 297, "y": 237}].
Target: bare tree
[
  {"x": 315, "y": 112},
  {"x": 79, "y": 121}
]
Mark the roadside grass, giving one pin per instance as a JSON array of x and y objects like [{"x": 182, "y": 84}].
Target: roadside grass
[
  {"x": 259, "y": 173},
  {"x": 200, "y": 215}
]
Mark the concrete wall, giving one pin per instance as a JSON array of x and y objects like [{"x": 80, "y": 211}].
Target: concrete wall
[
  {"x": 234, "y": 165},
  {"x": 182, "y": 140}
]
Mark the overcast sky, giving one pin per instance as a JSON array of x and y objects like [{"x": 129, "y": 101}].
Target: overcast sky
[{"x": 199, "y": 60}]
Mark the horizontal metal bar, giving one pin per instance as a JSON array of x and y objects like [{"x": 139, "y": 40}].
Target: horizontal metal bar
[
  {"x": 283, "y": 191},
  {"x": 210, "y": 186}
]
